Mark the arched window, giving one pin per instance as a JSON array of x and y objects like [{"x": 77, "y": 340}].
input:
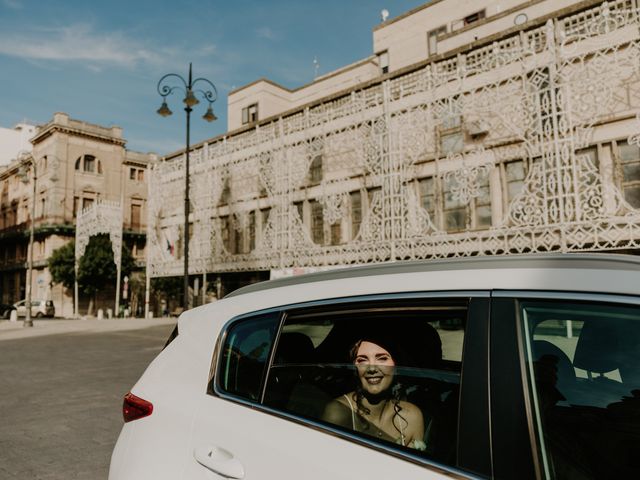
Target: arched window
[{"x": 89, "y": 164}]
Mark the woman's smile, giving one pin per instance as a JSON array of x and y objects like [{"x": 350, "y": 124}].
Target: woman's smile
[{"x": 375, "y": 367}]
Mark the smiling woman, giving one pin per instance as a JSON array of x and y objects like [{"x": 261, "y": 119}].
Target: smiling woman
[{"x": 375, "y": 407}]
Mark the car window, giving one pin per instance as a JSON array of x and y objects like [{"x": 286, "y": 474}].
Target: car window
[
  {"x": 245, "y": 354},
  {"x": 324, "y": 371},
  {"x": 584, "y": 366}
]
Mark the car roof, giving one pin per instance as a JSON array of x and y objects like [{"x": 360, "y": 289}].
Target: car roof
[{"x": 592, "y": 261}]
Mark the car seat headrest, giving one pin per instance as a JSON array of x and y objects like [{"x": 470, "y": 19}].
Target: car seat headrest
[
  {"x": 565, "y": 370},
  {"x": 598, "y": 347},
  {"x": 294, "y": 347}
]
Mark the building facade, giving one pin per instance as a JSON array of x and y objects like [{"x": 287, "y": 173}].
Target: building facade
[
  {"x": 475, "y": 128},
  {"x": 15, "y": 140},
  {"x": 76, "y": 164}
]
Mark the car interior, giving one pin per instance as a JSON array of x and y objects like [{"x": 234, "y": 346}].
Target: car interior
[
  {"x": 307, "y": 375},
  {"x": 590, "y": 405}
]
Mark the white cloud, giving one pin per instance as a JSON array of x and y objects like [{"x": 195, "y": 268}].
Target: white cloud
[
  {"x": 207, "y": 50},
  {"x": 76, "y": 43},
  {"x": 266, "y": 32},
  {"x": 13, "y": 4}
]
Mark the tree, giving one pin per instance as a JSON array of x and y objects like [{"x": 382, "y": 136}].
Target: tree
[
  {"x": 96, "y": 268},
  {"x": 61, "y": 265}
]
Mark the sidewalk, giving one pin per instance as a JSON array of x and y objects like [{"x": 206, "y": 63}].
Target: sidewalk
[{"x": 13, "y": 330}]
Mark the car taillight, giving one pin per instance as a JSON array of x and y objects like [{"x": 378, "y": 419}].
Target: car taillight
[{"x": 134, "y": 407}]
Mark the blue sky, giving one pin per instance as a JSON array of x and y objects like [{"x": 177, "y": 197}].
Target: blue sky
[{"x": 100, "y": 61}]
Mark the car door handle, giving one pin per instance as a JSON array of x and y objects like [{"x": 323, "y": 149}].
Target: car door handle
[{"x": 220, "y": 461}]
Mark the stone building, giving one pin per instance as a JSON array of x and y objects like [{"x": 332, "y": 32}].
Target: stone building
[
  {"x": 476, "y": 127},
  {"x": 76, "y": 164}
]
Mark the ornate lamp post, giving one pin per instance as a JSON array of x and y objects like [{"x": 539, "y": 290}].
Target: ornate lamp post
[{"x": 210, "y": 94}]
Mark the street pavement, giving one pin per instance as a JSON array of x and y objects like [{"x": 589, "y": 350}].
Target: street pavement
[{"x": 61, "y": 389}]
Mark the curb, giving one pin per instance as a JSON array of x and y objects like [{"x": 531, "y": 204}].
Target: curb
[{"x": 14, "y": 330}]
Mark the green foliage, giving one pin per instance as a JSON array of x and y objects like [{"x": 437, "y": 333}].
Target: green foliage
[
  {"x": 61, "y": 264},
  {"x": 96, "y": 268},
  {"x": 171, "y": 288}
]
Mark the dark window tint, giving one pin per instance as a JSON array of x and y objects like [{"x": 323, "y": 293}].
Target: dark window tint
[
  {"x": 584, "y": 366},
  {"x": 324, "y": 371},
  {"x": 245, "y": 354}
]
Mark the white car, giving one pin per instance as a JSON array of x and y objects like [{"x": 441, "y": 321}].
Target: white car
[
  {"x": 492, "y": 367},
  {"x": 39, "y": 308}
]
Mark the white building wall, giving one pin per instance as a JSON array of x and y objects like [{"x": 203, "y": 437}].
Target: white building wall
[{"x": 15, "y": 140}]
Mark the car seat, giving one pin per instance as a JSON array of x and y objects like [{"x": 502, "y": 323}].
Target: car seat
[
  {"x": 294, "y": 349},
  {"x": 545, "y": 351}
]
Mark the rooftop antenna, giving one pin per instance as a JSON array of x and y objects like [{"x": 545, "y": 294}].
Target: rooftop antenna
[
  {"x": 316, "y": 67},
  {"x": 384, "y": 14}
]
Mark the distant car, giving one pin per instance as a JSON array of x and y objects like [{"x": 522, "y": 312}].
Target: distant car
[
  {"x": 39, "y": 308},
  {"x": 521, "y": 366},
  {"x": 5, "y": 310}
]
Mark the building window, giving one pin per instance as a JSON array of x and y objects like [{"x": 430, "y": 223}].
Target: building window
[
  {"x": 383, "y": 61},
  {"x": 455, "y": 211},
  {"x": 432, "y": 39},
  {"x": 451, "y": 134},
  {"x": 42, "y": 207},
  {"x": 356, "y": 213},
  {"x": 136, "y": 174},
  {"x": 428, "y": 196},
  {"x": 336, "y": 233},
  {"x": 300, "y": 209},
  {"x": 136, "y": 210},
  {"x": 86, "y": 203},
  {"x": 482, "y": 204},
  {"x": 514, "y": 174},
  {"x": 474, "y": 17},
  {"x": 592, "y": 153},
  {"x": 265, "y": 217},
  {"x": 225, "y": 232},
  {"x": 252, "y": 230},
  {"x": 628, "y": 170},
  {"x": 315, "y": 169},
  {"x": 317, "y": 223},
  {"x": 225, "y": 196},
  {"x": 452, "y": 212},
  {"x": 250, "y": 114},
  {"x": 238, "y": 241},
  {"x": 88, "y": 164}
]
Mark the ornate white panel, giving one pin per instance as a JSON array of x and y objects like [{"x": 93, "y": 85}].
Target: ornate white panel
[
  {"x": 536, "y": 95},
  {"x": 100, "y": 217}
]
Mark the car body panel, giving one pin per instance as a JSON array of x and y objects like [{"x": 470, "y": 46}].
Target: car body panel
[
  {"x": 39, "y": 308},
  {"x": 176, "y": 381}
]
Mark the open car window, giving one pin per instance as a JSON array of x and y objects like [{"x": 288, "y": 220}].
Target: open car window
[{"x": 314, "y": 374}]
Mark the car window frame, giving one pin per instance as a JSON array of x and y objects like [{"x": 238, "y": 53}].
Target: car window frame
[
  {"x": 518, "y": 389},
  {"x": 479, "y": 304}
]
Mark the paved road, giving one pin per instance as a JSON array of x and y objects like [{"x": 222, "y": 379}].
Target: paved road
[{"x": 61, "y": 395}]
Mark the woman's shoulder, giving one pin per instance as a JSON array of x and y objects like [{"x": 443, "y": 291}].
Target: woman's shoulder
[
  {"x": 410, "y": 409},
  {"x": 338, "y": 411}
]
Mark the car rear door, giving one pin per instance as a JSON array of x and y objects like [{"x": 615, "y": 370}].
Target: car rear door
[
  {"x": 274, "y": 372},
  {"x": 566, "y": 368}
]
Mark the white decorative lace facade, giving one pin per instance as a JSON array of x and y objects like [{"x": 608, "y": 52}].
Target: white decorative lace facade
[
  {"x": 100, "y": 217},
  {"x": 523, "y": 145}
]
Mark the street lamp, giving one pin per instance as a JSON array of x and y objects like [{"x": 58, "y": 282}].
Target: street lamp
[
  {"x": 210, "y": 94},
  {"x": 23, "y": 174}
]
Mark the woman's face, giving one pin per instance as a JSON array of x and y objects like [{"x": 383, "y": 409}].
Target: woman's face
[{"x": 375, "y": 367}]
